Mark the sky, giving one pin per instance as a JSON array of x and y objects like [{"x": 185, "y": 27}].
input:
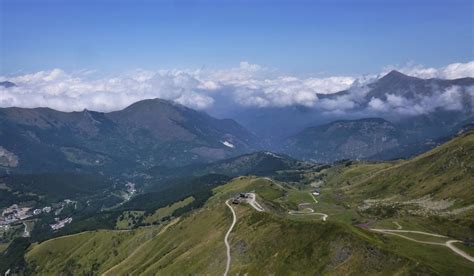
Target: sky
[
  {"x": 104, "y": 55},
  {"x": 298, "y": 37}
]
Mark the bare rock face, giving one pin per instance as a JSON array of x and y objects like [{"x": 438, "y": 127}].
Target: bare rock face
[{"x": 7, "y": 158}]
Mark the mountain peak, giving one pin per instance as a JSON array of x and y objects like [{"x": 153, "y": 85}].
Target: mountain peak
[
  {"x": 394, "y": 78},
  {"x": 394, "y": 74},
  {"x": 7, "y": 84}
]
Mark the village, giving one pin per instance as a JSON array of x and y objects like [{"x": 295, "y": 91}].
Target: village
[{"x": 15, "y": 214}]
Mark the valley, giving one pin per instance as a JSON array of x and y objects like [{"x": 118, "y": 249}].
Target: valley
[
  {"x": 236, "y": 138},
  {"x": 159, "y": 188},
  {"x": 259, "y": 224}
]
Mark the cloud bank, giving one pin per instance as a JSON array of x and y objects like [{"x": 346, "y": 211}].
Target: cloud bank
[{"x": 244, "y": 85}]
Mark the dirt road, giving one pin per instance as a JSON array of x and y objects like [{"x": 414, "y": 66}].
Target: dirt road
[
  {"x": 226, "y": 238},
  {"x": 448, "y": 244},
  {"x": 251, "y": 200}
]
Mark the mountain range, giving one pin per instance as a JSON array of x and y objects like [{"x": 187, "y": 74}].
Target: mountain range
[
  {"x": 159, "y": 188},
  {"x": 412, "y": 101},
  {"x": 363, "y": 221},
  {"x": 162, "y": 133},
  {"x": 149, "y": 132}
]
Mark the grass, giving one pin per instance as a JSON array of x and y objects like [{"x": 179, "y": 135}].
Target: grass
[
  {"x": 87, "y": 252},
  {"x": 3, "y": 246},
  {"x": 440, "y": 258},
  {"x": 128, "y": 219},
  {"x": 168, "y": 210},
  {"x": 422, "y": 237},
  {"x": 468, "y": 249},
  {"x": 262, "y": 243},
  {"x": 444, "y": 172}
]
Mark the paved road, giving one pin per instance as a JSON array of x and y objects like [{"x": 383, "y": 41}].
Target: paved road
[
  {"x": 448, "y": 244},
  {"x": 226, "y": 238}
]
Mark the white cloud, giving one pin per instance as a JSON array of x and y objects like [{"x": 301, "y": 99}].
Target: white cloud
[
  {"x": 247, "y": 85},
  {"x": 458, "y": 70},
  {"x": 377, "y": 104},
  {"x": 451, "y": 71}
]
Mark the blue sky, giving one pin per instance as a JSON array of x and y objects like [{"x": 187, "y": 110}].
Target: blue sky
[{"x": 298, "y": 37}]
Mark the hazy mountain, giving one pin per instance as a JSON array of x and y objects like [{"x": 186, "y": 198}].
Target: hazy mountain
[
  {"x": 149, "y": 132},
  {"x": 346, "y": 139},
  {"x": 258, "y": 163},
  {"x": 413, "y": 97},
  {"x": 7, "y": 84}
]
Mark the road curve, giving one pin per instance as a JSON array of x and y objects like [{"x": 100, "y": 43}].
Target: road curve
[
  {"x": 310, "y": 212},
  {"x": 254, "y": 203},
  {"x": 226, "y": 238},
  {"x": 448, "y": 244},
  {"x": 459, "y": 251}
]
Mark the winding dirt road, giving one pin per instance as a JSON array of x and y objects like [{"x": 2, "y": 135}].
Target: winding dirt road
[
  {"x": 309, "y": 211},
  {"x": 226, "y": 238},
  {"x": 448, "y": 243}
]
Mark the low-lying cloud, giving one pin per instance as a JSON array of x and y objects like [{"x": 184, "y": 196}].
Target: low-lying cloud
[{"x": 245, "y": 85}]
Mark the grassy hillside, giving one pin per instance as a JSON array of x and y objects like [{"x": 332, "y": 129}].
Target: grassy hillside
[
  {"x": 87, "y": 252},
  {"x": 261, "y": 243},
  {"x": 444, "y": 172},
  {"x": 431, "y": 192}
]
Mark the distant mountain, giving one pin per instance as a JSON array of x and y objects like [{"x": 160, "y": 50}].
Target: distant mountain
[
  {"x": 147, "y": 133},
  {"x": 7, "y": 84},
  {"x": 281, "y": 122},
  {"x": 375, "y": 138},
  {"x": 262, "y": 163},
  {"x": 345, "y": 139},
  {"x": 401, "y": 85}
]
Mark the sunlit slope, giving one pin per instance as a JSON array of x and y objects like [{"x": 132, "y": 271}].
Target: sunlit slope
[
  {"x": 87, "y": 252},
  {"x": 261, "y": 243},
  {"x": 446, "y": 172}
]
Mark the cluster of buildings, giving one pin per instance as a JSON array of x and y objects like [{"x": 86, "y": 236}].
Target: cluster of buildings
[
  {"x": 240, "y": 198},
  {"x": 60, "y": 223},
  {"x": 15, "y": 214}
]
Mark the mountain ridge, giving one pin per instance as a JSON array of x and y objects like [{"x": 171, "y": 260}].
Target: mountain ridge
[{"x": 146, "y": 132}]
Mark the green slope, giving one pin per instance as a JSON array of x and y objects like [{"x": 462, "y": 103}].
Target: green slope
[
  {"x": 87, "y": 252},
  {"x": 262, "y": 243},
  {"x": 444, "y": 172}
]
